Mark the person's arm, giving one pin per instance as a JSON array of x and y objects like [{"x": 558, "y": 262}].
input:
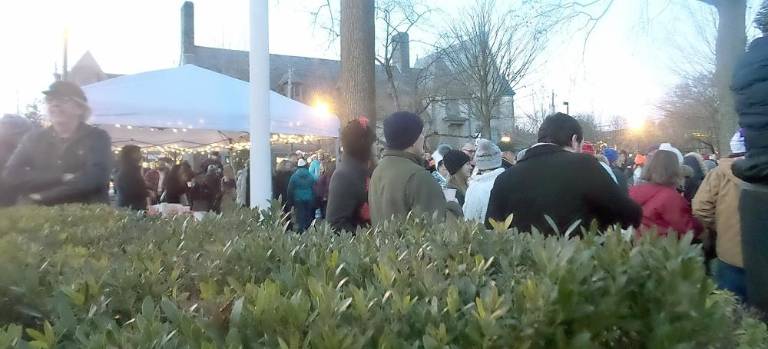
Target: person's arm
[
  {"x": 94, "y": 175},
  {"x": 425, "y": 196},
  {"x": 606, "y": 198},
  {"x": 289, "y": 192},
  {"x": 18, "y": 174},
  {"x": 677, "y": 212},
  {"x": 705, "y": 201},
  {"x": 496, "y": 210}
]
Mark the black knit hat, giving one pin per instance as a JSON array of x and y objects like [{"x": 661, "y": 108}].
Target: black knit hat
[
  {"x": 454, "y": 160},
  {"x": 402, "y": 129}
]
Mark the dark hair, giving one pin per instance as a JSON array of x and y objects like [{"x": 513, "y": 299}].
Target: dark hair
[
  {"x": 130, "y": 155},
  {"x": 662, "y": 169},
  {"x": 172, "y": 182},
  {"x": 215, "y": 153},
  {"x": 559, "y": 129},
  {"x": 357, "y": 137}
]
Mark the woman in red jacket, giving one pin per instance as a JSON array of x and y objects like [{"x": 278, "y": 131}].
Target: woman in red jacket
[{"x": 664, "y": 208}]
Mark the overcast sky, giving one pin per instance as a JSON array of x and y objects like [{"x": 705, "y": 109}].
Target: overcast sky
[{"x": 627, "y": 67}]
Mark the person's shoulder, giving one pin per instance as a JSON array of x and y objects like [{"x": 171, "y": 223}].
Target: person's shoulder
[{"x": 96, "y": 132}]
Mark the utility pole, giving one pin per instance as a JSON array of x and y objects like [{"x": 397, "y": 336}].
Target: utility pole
[
  {"x": 65, "y": 67},
  {"x": 567, "y": 107},
  {"x": 261, "y": 153},
  {"x": 552, "y": 106}
]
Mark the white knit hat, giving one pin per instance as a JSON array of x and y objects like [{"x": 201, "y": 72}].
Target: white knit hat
[
  {"x": 669, "y": 147},
  {"x": 487, "y": 156},
  {"x": 737, "y": 143}
]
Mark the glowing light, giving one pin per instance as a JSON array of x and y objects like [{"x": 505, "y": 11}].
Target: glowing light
[
  {"x": 637, "y": 125},
  {"x": 506, "y": 139},
  {"x": 129, "y": 127},
  {"x": 322, "y": 106}
]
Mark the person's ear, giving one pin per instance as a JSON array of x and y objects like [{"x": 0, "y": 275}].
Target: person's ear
[{"x": 576, "y": 144}]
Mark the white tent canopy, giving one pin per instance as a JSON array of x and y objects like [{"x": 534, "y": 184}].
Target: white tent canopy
[{"x": 193, "y": 105}]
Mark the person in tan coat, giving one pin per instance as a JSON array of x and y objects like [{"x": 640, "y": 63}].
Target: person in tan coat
[{"x": 716, "y": 204}]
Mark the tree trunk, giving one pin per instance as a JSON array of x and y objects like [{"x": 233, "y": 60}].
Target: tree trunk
[
  {"x": 731, "y": 42},
  {"x": 357, "y": 82}
]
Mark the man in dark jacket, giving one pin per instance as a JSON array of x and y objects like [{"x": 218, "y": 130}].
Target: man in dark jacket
[
  {"x": 68, "y": 162},
  {"x": 750, "y": 86},
  {"x": 554, "y": 180},
  {"x": 348, "y": 191}
]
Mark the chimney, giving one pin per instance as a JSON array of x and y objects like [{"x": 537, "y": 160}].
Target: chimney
[
  {"x": 401, "y": 55},
  {"x": 187, "y": 32}
]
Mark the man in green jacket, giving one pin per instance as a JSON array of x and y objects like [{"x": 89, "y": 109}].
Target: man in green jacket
[{"x": 400, "y": 184}]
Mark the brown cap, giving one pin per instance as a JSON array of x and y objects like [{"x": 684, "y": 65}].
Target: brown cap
[{"x": 66, "y": 89}]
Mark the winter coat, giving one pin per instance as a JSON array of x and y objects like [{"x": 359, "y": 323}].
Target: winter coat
[
  {"x": 322, "y": 186},
  {"x": 314, "y": 169},
  {"x": 750, "y": 87},
  {"x": 176, "y": 192},
  {"x": 348, "y": 195},
  {"x": 39, "y": 163},
  {"x": 691, "y": 186},
  {"x": 400, "y": 185},
  {"x": 717, "y": 206},
  {"x": 664, "y": 209},
  {"x": 621, "y": 178},
  {"x": 280, "y": 185},
  {"x": 300, "y": 186},
  {"x": 132, "y": 191},
  {"x": 566, "y": 186},
  {"x": 478, "y": 194}
]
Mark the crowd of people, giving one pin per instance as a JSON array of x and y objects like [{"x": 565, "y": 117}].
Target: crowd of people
[{"x": 560, "y": 185}]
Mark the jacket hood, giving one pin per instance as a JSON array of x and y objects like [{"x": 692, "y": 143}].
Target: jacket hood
[
  {"x": 486, "y": 177},
  {"x": 643, "y": 193},
  {"x": 727, "y": 163},
  {"x": 696, "y": 162}
]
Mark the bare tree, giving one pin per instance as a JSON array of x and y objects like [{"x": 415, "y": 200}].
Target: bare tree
[
  {"x": 357, "y": 82},
  {"x": 690, "y": 112},
  {"x": 491, "y": 51},
  {"x": 729, "y": 46}
]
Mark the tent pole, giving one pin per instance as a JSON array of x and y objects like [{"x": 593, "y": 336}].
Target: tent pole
[{"x": 260, "y": 166}]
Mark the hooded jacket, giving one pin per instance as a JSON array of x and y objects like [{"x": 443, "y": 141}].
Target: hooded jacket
[
  {"x": 301, "y": 186},
  {"x": 664, "y": 209},
  {"x": 750, "y": 87},
  {"x": 478, "y": 194},
  {"x": 717, "y": 206}
]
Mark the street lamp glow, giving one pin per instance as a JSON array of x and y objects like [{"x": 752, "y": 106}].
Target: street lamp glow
[{"x": 322, "y": 106}]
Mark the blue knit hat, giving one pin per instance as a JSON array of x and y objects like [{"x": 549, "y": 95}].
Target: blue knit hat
[
  {"x": 611, "y": 154},
  {"x": 402, "y": 129}
]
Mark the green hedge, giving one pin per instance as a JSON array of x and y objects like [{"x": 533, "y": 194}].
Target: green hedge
[{"x": 91, "y": 277}]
